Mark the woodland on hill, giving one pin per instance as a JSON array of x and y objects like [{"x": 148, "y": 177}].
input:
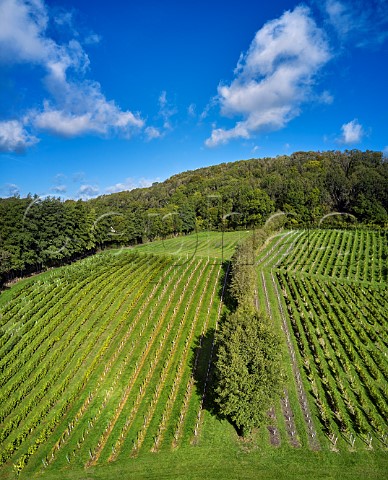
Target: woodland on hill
[{"x": 38, "y": 233}]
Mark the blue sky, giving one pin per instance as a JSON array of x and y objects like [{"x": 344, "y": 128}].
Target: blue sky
[{"x": 98, "y": 97}]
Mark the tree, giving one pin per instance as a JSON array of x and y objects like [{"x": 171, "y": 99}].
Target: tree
[
  {"x": 42, "y": 232},
  {"x": 243, "y": 273},
  {"x": 5, "y": 265},
  {"x": 247, "y": 368}
]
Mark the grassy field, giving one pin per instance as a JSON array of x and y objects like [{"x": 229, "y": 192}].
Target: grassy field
[
  {"x": 219, "y": 245},
  {"x": 105, "y": 365}
]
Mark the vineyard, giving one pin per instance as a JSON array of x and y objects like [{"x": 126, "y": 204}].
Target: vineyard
[
  {"x": 328, "y": 291},
  {"x": 356, "y": 256},
  {"x": 102, "y": 353},
  {"x": 219, "y": 245},
  {"x": 106, "y": 365}
]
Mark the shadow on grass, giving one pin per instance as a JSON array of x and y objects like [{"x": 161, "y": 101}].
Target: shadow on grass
[
  {"x": 224, "y": 287},
  {"x": 205, "y": 375},
  {"x": 202, "y": 367},
  {"x": 203, "y": 360}
]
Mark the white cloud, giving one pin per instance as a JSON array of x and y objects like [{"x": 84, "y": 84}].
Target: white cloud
[
  {"x": 89, "y": 113},
  {"x": 23, "y": 38},
  {"x": 93, "y": 39},
  {"x": 220, "y": 136},
  {"x": 77, "y": 106},
  {"x": 65, "y": 18},
  {"x": 365, "y": 23},
  {"x": 212, "y": 103},
  {"x": 14, "y": 137},
  {"x": 21, "y": 27},
  {"x": 130, "y": 184},
  {"x": 11, "y": 190},
  {"x": 163, "y": 99},
  {"x": 147, "y": 182},
  {"x": 385, "y": 151},
  {"x": 118, "y": 187},
  {"x": 339, "y": 16},
  {"x": 88, "y": 191},
  {"x": 166, "y": 110},
  {"x": 60, "y": 177},
  {"x": 326, "y": 97},
  {"x": 191, "y": 110},
  {"x": 62, "y": 123},
  {"x": 59, "y": 189},
  {"x": 352, "y": 132},
  {"x": 275, "y": 77},
  {"x": 152, "y": 133}
]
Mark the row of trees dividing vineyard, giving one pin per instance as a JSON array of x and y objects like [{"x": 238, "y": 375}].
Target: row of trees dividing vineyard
[
  {"x": 334, "y": 289},
  {"x": 248, "y": 363}
]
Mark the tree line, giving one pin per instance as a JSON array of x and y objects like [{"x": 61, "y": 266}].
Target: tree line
[
  {"x": 248, "y": 367},
  {"x": 38, "y": 233}
]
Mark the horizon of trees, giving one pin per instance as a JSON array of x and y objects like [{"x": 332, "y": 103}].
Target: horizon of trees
[{"x": 39, "y": 233}]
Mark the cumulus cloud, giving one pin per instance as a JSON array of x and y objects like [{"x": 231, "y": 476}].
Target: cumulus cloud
[
  {"x": 130, "y": 184},
  {"x": 352, "y": 132},
  {"x": 147, "y": 182},
  {"x": 90, "y": 113},
  {"x": 88, "y": 191},
  {"x": 21, "y": 27},
  {"x": 62, "y": 123},
  {"x": 59, "y": 189},
  {"x": 77, "y": 106},
  {"x": 118, "y": 187},
  {"x": 275, "y": 77},
  {"x": 14, "y": 137}
]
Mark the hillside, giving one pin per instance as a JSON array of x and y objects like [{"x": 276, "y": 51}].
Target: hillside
[
  {"x": 106, "y": 365},
  {"x": 37, "y": 233},
  {"x": 327, "y": 291}
]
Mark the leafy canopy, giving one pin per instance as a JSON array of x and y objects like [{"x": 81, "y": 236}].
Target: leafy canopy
[{"x": 248, "y": 368}]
